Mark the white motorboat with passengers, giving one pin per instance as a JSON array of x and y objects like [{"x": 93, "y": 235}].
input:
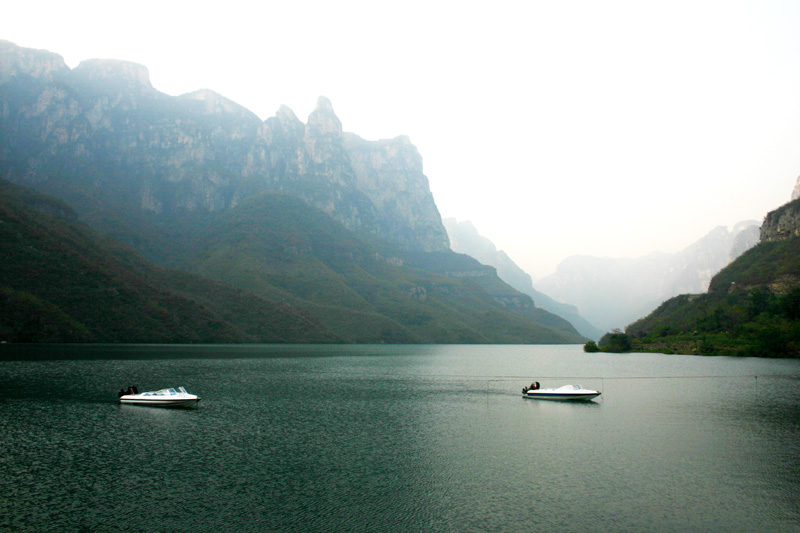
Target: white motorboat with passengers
[
  {"x": 567, "y": 392},
  {"x": 176, "y": 397}
]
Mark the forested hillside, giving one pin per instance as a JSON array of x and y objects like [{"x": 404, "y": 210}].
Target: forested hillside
[
  {"x": 752, "y": 307},
  {"x": 61, "y": 281}
]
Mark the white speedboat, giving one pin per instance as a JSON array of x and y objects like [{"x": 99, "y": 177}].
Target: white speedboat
[
  {"x": 567, "y": 392},
  {"x": 161, "y": 398}
]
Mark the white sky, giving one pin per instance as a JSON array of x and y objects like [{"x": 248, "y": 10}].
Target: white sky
[{"x": 558, "y": 127}]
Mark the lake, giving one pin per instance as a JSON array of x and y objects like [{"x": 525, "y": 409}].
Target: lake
[{"x": 408, "y": 438}]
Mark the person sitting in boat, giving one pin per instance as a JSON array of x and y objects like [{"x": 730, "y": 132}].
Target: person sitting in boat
[
  {"x": 534, "y": 386},
  {"x": 133, "y": 389}
]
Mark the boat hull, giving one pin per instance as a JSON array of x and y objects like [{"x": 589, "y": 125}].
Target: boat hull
[
  {"x": 154, "y": 402},
  {"x": 574, "y": 393},
  {"x": 175, "y": 397},
  {"x": 562, "y": 396}
]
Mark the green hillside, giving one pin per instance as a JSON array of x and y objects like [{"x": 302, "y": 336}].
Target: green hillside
[
  {"x": 752, "y": 308},
  {"x": 278, "y": 247},
  {"x": 272, "y": 269},
  {"x": 60, "y": 281}
]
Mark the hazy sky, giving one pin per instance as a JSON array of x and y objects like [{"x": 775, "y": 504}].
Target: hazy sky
[{"x": 599, "y": 127}]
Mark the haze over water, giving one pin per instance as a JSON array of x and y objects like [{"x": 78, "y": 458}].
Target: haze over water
[{"x": 413, "y": 438}]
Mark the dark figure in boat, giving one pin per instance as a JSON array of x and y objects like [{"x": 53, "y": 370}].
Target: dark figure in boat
[
  {"x": 131, "y": 390},
  {"x": 534, "y": 386}
]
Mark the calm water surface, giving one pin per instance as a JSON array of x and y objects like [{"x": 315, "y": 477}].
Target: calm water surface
[{"x": 408, "y": 438}]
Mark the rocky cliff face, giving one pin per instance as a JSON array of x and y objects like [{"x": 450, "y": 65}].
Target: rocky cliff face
[
  {"x": 126, "y": 76},
  {"x": 25, "y": 62},
  {"x": 782, "y": 224},
  {"x": 389, "y": 173},
  {"x": 111, "y": 133}
]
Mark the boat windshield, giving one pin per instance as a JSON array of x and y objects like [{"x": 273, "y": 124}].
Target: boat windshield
[{"x": 172, "y": 392}]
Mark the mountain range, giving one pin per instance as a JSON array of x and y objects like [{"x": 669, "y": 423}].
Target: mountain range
[
  {"x": 613, "y": 292},
  {"x": 198, "y": 222},
  {"x": 752, "y": 307}
]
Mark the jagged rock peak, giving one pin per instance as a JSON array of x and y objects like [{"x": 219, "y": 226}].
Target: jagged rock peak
[
  {"x": 284, "y": 125},
  {"x": 796, "y": 191},
  {"x": 323, "y": 120},
  {"x": 132, "y": 75},
  {"x": 285, "y": 114},
  {"x": 287, "y": 120},
  {"x": 40, "y": 64},
  {"x": 324, "y": 103}
]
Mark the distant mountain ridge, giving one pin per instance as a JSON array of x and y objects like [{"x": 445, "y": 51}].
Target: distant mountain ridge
[
  {"x": 612, "y": 293},
  {"x": 464, "y": 238},
  {"x": 303, "y": 220}
]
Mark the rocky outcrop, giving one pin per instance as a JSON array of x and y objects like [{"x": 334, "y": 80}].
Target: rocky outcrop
[
  {"x": 782, "y": 224},
  {"x": 389, "y": 173},
  {"x": 123, "y": 75},
  {"x": 16, "y": 62},
  {"x": 200, "y": 152}
]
